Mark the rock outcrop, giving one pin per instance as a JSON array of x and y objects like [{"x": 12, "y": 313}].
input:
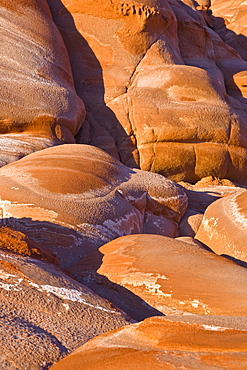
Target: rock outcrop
[
  {"x": 71, "y": 199},
  {"x": 224, "y": 226},
  {"x": 229, "y": 19},
  {"x": 170, "y": 275},
  {"x": 38, "y": 103},
  {"x": 157, "y": 83},
  {"x": 45, "y": 314},
  {"x": 163, "y": 343}
]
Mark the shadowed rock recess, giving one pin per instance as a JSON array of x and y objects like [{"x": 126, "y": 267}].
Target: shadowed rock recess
[{"x": 123, "y": 155}]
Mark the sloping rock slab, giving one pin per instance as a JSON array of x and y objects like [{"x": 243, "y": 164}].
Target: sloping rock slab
[{"x": 164, "y": 343}]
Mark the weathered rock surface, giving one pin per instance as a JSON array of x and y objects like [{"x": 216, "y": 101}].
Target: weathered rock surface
[
  {"x": 45, "y": 314},
  {"x": 38, "y": 103},
  {"x": 169, "y": 275},
  {"x": 162, "y": 343},
  {"x": 229, "y": 18},
  {"x": 153, "y": 76},
  {"x": 73, "y": 198},
  {"x": 224, "y": 226}
]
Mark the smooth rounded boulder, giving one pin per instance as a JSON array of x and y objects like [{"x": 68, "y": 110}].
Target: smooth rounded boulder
[
  {"x": 39, "y": 106},
  {"x": 163, "y": 343},
  {"x": 169, "y": 275},
  {"x": 224, "y": 226},
  {"x": 71, "y": 199}
]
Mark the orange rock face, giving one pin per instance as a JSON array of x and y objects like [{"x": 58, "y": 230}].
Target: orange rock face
[
  {"x": 224, "y": 226},
  {"x": 73, "y": 198},
  {"x": 38, "y": 103},
  {"x": 230, "y": 22},
  {"x": 153, "y": 76},
  {"x": 169, "y": 275},
  {"x": 191, "y": 342},
  {"x": 45, "y": 314}
]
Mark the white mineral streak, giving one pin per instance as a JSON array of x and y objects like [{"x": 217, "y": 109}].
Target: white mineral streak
[
  {"x": 22, "y": 210},
  {"x": 149, "y": 280},
  {"x": 111, "y": 229},
  {"x": 214, "y": 328},
  {"x": 234, "y": 213},
  {"x": 72, "y": 295}
]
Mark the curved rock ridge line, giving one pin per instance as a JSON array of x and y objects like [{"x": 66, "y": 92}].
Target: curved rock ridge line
[
  {"x": 190, "y": 342},
  {"x": 224, "y": 226},
  {"x": 42, "y": 311},
  {"x": 73, "y": 198},
  {"x": 170, "y": 275},
  {"x": 164, "y": 93},
  {"x": 38, "y": 103}
]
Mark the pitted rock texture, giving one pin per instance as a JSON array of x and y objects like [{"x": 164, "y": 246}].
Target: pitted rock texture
[
  {"x": 224, "y": 226},
  {"x": 170, "y": 275},
  {"x": 45, "y": 314},
  {"x": 71, "y": 199},
  {"x": 164, "y": 343},
  {"x": 157, "y": 84},
  {"x": 38, "y": 103}
]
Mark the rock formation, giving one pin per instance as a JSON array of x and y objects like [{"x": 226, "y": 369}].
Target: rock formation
[
  {"x": 45, "y": 314},
  {"x": 158, "y": 86},
  {"x": 38, "y": 103},
  {"x": 224, "y": 226},
  {"x": 71, "y": 199},
  {"x": 229, "y": 20},
  {"x": 160, "y": 343},
  {"x": 168, "y": 274}
]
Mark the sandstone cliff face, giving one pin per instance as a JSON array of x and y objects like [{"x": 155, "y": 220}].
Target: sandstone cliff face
[
  {"x": 161, "y": 87},
  {"x": 38, "y": 103}
]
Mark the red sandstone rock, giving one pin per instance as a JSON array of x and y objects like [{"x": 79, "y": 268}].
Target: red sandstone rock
[
  {"x": 169, "y": 275},
  {"x": 224, "y": 226},
  {"x": 38, "y": 103},
  {"x": 164, "y": 343},
  {"x": 45, "y": 314},
  {"x": 73, "y": 198},
  {"x": 153, "y": 75},
  {"x": 230, "y": 22}
]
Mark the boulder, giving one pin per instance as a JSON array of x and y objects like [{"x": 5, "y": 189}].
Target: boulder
[
  {"x": 162, "y": 343},
  {"x": 72, "y": 198},
  {"x": 38, "y": 103},
  {"x": 153, "y": 77},
  {"x": 45, "y": 314},
  {"x": 224, "y": 226},
  {"x": 169, "y": 275}
]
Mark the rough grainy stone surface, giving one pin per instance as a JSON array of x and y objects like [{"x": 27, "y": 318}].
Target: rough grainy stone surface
[
  {"x": 45, "y": 314},
  {"x": 154, "y": 78},
  {"x": 73, "y": 198},
  {"x": 168, "y": 274},
  {"x": 224, "y": 226},
  {"x": 164, "y": 343},
  {"x": 38, "y": 103}
]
